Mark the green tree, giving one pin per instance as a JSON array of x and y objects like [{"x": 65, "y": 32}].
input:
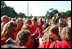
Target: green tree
[
  {"x": 22, "y": 15},
  {"x": 63, "y": 15},
  {"x": 47, "y": 15},
  {"x": 6, "y": 10},
  {"x": 3, "y": 4},
  {"x": 54, "y": 11},
  {"x": 51, "y": 13},
  {"x": 68, "y": 13}
]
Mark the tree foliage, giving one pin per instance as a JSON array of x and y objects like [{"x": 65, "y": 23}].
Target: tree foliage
[
  {"x": 52, "y": 12},
  {"x": 6, "y": 10},
  {"x": 22, "y": 15},
  {"x": 66, "y": 14},
  {"x": 3, "y": 4}
]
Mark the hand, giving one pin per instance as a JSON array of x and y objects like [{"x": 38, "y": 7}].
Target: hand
[
  {"x": 40, "y": 40},
  {"x": 33, "y": 34}
]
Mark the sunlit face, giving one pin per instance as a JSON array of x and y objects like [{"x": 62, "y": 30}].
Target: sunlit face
[
  {"x": 69, "y": 23},
  {"x": 5, "y": 20},
  {"x": 12, "y": 29},
  {"x": 19, "y": 23},
  {"x": 34, "y": 22},
  {"x": 60, "y": 21},
  {"x": 53, "y": 22},
  {"x": 40, "y": 19},
  {"x": 52, "y": 35}
]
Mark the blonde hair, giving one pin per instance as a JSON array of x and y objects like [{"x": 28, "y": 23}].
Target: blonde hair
[
  {"x": 22, "y": 37},
  {"x": 25, "y": 27},
  {"x": 46, "y": 36},
  {"x": 13, "y": 19},
  {"x": 34, "y": 18},
  {"x": 47, "y": 29},
  {"x": 54, "y": 29},
  {"x": 66, "y": 33},
  {"x": 8, "y": 27},
  {"x": 20, "y": 20},
  {"x": 6, "y": 17},
  {"x": 68, "y": 18},
  {"x": 49, "y": 22}
]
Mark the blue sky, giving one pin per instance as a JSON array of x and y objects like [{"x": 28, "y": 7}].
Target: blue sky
[{"x": 39, "y": 8}]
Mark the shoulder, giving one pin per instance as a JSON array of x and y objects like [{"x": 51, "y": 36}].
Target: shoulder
[
  {"x": 59, "y": 44},
  {"x": 52, "y": 45},
  {"x": 31, "y": 26},
  {"x": 56, "y": 43},
  {"x": 3, "y": 38}
]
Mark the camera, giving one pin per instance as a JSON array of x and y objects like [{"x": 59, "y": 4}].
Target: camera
[{"x": 10, "y": 41}]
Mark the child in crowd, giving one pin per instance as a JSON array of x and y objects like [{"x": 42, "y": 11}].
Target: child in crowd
[
  {"x": 24, "y": 39},
  {"x": 34, "y": 33},
  {"x": 66, "y": 39},
  {"x": 8, "y": 31}
]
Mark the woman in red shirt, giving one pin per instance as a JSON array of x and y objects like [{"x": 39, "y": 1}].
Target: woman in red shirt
[
  {"x": 33, "y": 28},
  {"x": 28, "y": 21},
  {"x": 5, "y": 19},
  {"x": 8, "y": 31},
  {"x": 40, "y": 24},
  {"x": 69, "y": 21},
  {"x": 44, "y": 42},
  {"x": 66, "y": 39},
  {"x": 24, "y": 39},
  {"x": 27, "y": 27},
  {"x": 19, "y": 23},
  {"x": 51, "y": 36}
]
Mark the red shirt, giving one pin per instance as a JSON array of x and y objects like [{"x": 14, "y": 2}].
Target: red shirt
[
  {"x": 28, "y": 23},
  {"x": 46, "y": 45},
  {"x": 29, "y": 44},
  {"x": 61, "y": 44},
  {"x": 66, "y": 20},
  {"x": 15, "y": 33},
  {"x": 3, "y": 41},
  {"x": 40, "y": 23},
  {"x": 40, "y": 44},
  {"x": 32, "y": 29},
  {"x": 41, "y": 33},
  {"x": 13, "y": 36}
]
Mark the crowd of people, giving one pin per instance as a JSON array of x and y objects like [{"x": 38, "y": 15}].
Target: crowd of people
[{"x": 35, "y": 32}]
